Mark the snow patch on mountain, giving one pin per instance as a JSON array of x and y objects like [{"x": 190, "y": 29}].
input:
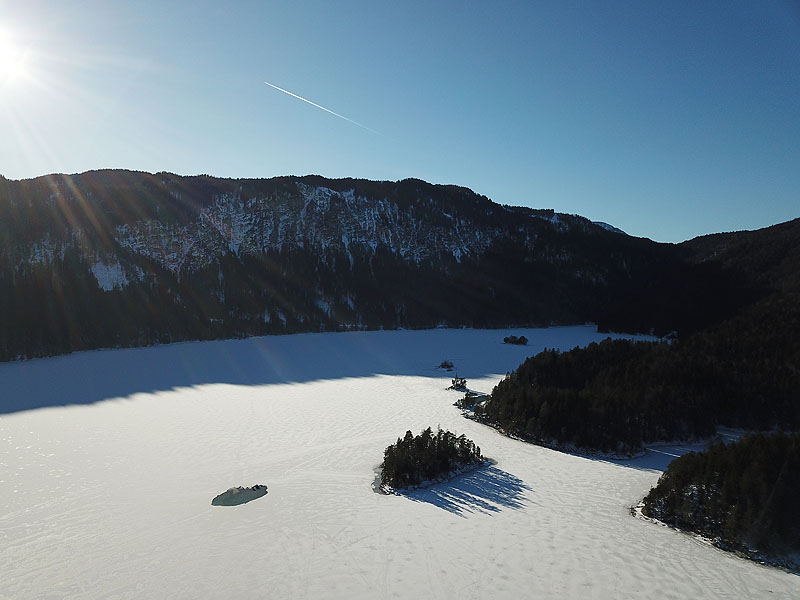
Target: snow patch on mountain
[
  {"x": 42, "y": 251},
  {"x": 324, "y": 306},
  {"x": 231, "y": 221},
  {"x": 109, "y": 276}
]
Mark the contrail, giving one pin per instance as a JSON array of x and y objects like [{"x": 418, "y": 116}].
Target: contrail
[{"x": 328, "y": 110}]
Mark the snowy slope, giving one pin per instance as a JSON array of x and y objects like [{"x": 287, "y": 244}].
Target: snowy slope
[{"x": 110, "y": 497}]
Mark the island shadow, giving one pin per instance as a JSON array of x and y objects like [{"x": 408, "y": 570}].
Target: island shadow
[{"x": 487, "y": 490}]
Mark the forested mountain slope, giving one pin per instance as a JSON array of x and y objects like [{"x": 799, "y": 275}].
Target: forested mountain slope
[
  {"x": 616, "y": 396},
  {"x": 121, "y": 258},
  {"x": 770, "y": 256}
]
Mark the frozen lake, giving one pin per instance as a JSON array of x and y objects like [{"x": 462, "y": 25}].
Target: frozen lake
[{"x": 109, "y": 461}]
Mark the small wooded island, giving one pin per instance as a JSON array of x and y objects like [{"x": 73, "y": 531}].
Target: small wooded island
[
  {"x": 426, "y": 457},
  {"x": 744, "y": 495}
]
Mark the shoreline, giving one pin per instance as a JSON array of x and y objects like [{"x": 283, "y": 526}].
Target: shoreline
[
  {"x": 385, "y": 490},
  {"x": 788, "y": 565}
]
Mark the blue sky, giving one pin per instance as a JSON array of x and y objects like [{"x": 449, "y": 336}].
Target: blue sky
[{"x": 667, "y": 119}]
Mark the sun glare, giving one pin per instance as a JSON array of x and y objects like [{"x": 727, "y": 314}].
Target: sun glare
[{"x": 12, "y": 61}]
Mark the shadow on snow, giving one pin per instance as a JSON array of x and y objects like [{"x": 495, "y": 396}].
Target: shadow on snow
[
  {"x": 487, "y": 490},
  {"x": 654, "y": 457},
  {"x": 93, "y": 376}
]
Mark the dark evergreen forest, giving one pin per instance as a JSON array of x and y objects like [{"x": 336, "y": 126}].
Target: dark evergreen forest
[
  {"x": 746, "y": 494},
  {"x": 617, "y": 395}
]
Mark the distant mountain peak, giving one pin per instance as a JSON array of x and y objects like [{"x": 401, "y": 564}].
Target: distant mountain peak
[{"x": 608, "y": 227}]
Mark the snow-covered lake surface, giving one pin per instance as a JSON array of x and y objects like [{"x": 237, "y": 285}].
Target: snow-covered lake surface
[{"x": 109, "y": 461}]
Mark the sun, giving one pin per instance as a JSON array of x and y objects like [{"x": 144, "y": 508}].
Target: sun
[{"x": 12, "y": 60}]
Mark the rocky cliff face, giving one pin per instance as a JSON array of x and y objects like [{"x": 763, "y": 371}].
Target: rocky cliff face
[{"x": 316, "y": 218}]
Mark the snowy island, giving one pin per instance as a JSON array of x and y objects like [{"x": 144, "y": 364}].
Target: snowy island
[{"x": 427, "y": 458}]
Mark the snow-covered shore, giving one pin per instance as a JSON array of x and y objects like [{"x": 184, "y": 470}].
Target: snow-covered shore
[
  {"x": 387, "y": 489},
  {"x": 108, "y": 461}
]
